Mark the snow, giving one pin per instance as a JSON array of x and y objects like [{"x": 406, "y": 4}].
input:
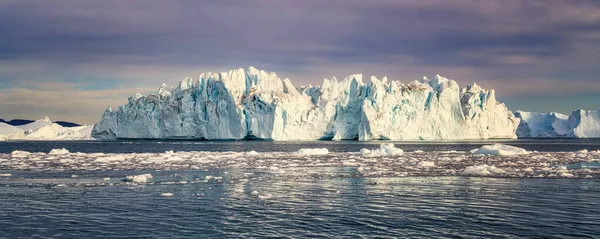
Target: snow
[
  {"x": 499, "y": 150},
  {"x": 580, "y": 124},
  {"x": 44, "y": 129},
  {"x": 251, "y": 103},
  {"x": 315, "y": 151},
  {"x": 383, "y": 150}
]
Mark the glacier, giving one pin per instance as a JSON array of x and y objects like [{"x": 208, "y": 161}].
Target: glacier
[
  {"x": 580, "y": 124},
  {"x": 255, "y": 104}
]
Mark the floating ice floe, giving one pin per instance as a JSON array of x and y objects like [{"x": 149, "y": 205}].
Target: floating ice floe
[
  {"x": 483, "y": 170},
  {"x": 315, "y": 151},
  {"x": 500, "y": 150},
  {"x": 58, "y": 151},
  {"x": 5, "y": 175},
  {"x": 426, "y": 164},
  {"x": 252, "y": 153},
  {"x": 166, "y": 194},
  {"x": 20, "y": 154},
  {"x": 383, "y": 150},
  {"x": 265, "y": 196},
  {"x": 142, "y": 178}
]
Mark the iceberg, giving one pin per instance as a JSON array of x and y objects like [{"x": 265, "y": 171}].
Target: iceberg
[
  {"x": 255, "y": 104},
  {"x": 44, "y": 129},
  {"x": 580, "y": 124}
]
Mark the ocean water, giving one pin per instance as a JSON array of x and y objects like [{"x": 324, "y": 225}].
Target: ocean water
[{"x": 224, "y": 190}]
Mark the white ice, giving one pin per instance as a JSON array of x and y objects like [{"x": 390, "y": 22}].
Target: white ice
[
  {"x": 580, "y": 124},
  {"x": 500, "y": 150},
  {"x": 315, "y": 151},
  {"x": 251, "y": 103},
  {"x": 44, "y": 129},
  {"x": 389, "y": 163},
  {"x": 383, "y": 150}
]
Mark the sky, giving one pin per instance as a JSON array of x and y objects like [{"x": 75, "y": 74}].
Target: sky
[{"x": 71, "y": 59}]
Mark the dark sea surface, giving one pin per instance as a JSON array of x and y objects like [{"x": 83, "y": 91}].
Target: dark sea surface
[
  {"x": 546, "y": 145},
  {"x": 315, "y": 202}
]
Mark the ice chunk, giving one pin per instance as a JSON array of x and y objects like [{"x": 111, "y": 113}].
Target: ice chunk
[
  {"x": 142, "y": 178},
  {"x": 5, "y": 175},
  {"x": 19, "y": 154},
  {"x": 252, "y": 153},
  {"x": 265, "y": 197},
  {"x": 499, "y": 149},
  {"x": 58, "y": 151},
  {"x": 482, "y": 170},
  {"x": 426, "y": 164},
  {"x": 166, "y": 194},
  {"x": 383, "y": 150},
  {"x": 314, "y": 151}
]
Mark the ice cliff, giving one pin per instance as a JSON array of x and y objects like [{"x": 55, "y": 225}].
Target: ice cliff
[
  {"x": 580, "y": 124},
  {"x": 254, "y": 104}
]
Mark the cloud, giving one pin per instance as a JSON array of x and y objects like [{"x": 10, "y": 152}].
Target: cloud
[{"x": 521, "y": 47}]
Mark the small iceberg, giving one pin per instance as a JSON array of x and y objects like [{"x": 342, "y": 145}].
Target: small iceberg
[
  {"x": 383, "y": 150},
  {"x": 499, "y": 150},
  {"x": 142, "y": 178},
  {"x": 315, "y": 151},
  {"x": 62, "y": 151},
  {"x": 482, "y": 170}
]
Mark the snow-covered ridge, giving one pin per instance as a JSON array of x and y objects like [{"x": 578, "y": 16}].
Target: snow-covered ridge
[
  {"x": 580, "y": 124},
  {"x": 44, "y": 129},
  {"x": 251, "y": 103}
]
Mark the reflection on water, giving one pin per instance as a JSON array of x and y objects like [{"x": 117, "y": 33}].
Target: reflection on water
[{"x": 314, "y": 202}]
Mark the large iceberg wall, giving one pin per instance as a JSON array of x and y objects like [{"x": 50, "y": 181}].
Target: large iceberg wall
[
  {"x": 250, "y": 103},
  {"x": 580, "y": 124}
]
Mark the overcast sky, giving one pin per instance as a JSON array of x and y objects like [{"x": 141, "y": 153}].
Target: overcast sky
[{"x": 70, "y": 59}]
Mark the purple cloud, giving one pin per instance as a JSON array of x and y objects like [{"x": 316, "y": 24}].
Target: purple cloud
[{"x": 520, "y": 47}]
